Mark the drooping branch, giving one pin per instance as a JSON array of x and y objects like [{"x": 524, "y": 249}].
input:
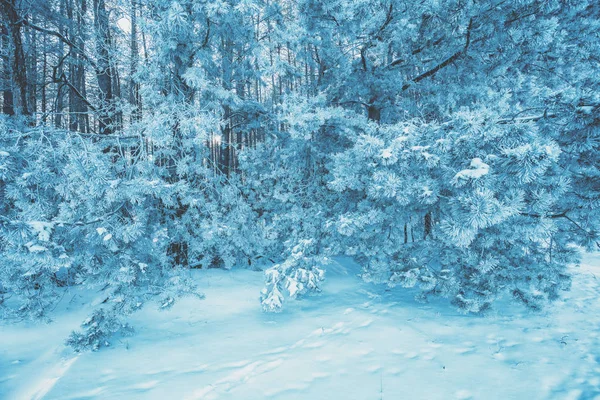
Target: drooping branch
[
  {"x": 396, "y": 62},
  {"x": 551, "y": 216},
  {"x": 444, "y": 63},
  {"x": 63, "y": 79},
  {"x": 565, "y": 216},
  {"x": 580, "y": 108},
  {"x": 8, "y": 221},
  {"x": 532, "y": 118}
]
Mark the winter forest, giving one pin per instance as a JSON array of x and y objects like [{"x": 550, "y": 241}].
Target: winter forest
[{"x": 308, "y": 199}]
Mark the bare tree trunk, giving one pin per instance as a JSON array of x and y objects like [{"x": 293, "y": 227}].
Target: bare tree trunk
[
  {"x": 78, "y": 110},
  {"x": 8, "y": 105},
  {"x": 134, "y": 87},
  {"x": 116, "y": 82},
  {"x": 374, "y": 113},
  {"x": 183, "y": 60},
  {"x": 18, "y": 67},
  {"x": 428, "y": 225},
  {"x": 44, "y": 74},
  {"x": 59, "y": 104},
  {"x": 227, "y": 77},
  {"x": 116, "y": 90},
  {"x": 103, "y": 70},
  {"x": 32, "y": 74}
]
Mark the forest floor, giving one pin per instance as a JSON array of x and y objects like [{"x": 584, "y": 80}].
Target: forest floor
[{"x": 353, "y": 341}]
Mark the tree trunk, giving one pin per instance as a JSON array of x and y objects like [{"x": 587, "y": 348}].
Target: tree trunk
[
  {"x": 134, "y": 87},
  {"x": 226, "y": 132},
  {"x": 18, "y": 64},
  {"x": 103, "y": 70},
  {"x": 32, "y": 73},
  {"x": 8, "y": 105},
  {"x": 58, "y": 70},
  {"x": 78, "y": 118},
  {"x": 428, "y": 225},
  {"x": 374, "y": 113},
  {"x": 44, "y": 74}
]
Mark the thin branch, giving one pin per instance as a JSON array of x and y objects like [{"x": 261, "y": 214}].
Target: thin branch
[
  {"x": 104, "y": 136},
  {"x": 388, "y": 18},
  {"x": 565, "y": 216},
  {"x": 362, "y": 103},
  {"x": 84, "y": 223},
  {"x": 444, "y": 63},
  {"x": 552, "y": 216},
  {"x": 378, "y": 35},
  {"x": 582, "y": 229},
  {"x": 363, "y": 57},
  {"x": 62, "y": 78},
  {"x": 520, "y": 120},
  {"x": 396, "y": 62},
  {"x": 62, "y": 38},
  {"x": 207, "y": 36}
]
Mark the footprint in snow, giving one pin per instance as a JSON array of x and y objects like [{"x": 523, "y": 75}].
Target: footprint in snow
[
  {"x": 192, "y": 370},
  {"x": 337, "y": 328},
  {"x": 394, "y": 371},
  {"x": 90, "y": 394},
  {"x": 365, "y": 323},
  {"x": 464, "y": 350},
  {"x": 374, "y": 368},
  {"x": 314, "y": 345},
  {"x": 293, "y": 387},
  {"x": 371, "y": 295},
  {"x": 277, "y": 350},
  {"x": 317, "y": 375},
  {"x": 363, "y": 352},
  {"x": 143, "y": 386},
  {"x": 232, "y": 365},
  {"x": 235, "y": 378},
  {"x": 463, "y": 395},
  {"x": 298, "y": 343},
  {"x": 201, "y": 393}
]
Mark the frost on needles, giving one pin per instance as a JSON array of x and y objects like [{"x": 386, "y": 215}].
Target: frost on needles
[{"x": 448, "y": 146}]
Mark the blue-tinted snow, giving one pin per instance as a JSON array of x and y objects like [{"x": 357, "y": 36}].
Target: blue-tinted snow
[{"x": 354, "y": 341}]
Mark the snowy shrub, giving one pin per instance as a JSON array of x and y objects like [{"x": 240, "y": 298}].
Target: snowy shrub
[
  {"x": 98, "y": 329},
  {"x": 451, "y": 146},
  {"x": 300, "y": 273},
  {"x": 468, "y": 209},
  {"x": 76, "y": 215},
  {"x": 285, "y": 185}
]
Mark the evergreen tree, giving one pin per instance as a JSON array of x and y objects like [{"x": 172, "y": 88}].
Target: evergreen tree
[{"x": 446, "y": 144}]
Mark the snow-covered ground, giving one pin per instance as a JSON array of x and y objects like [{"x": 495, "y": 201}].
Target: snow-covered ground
[{"x": 354, "y": 341}]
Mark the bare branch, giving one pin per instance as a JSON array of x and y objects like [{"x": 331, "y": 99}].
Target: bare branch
[
  {"x": 444, "y": 63},
  {"x": 519, "y": 120},
  {"x": 62, "y": 38}
]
